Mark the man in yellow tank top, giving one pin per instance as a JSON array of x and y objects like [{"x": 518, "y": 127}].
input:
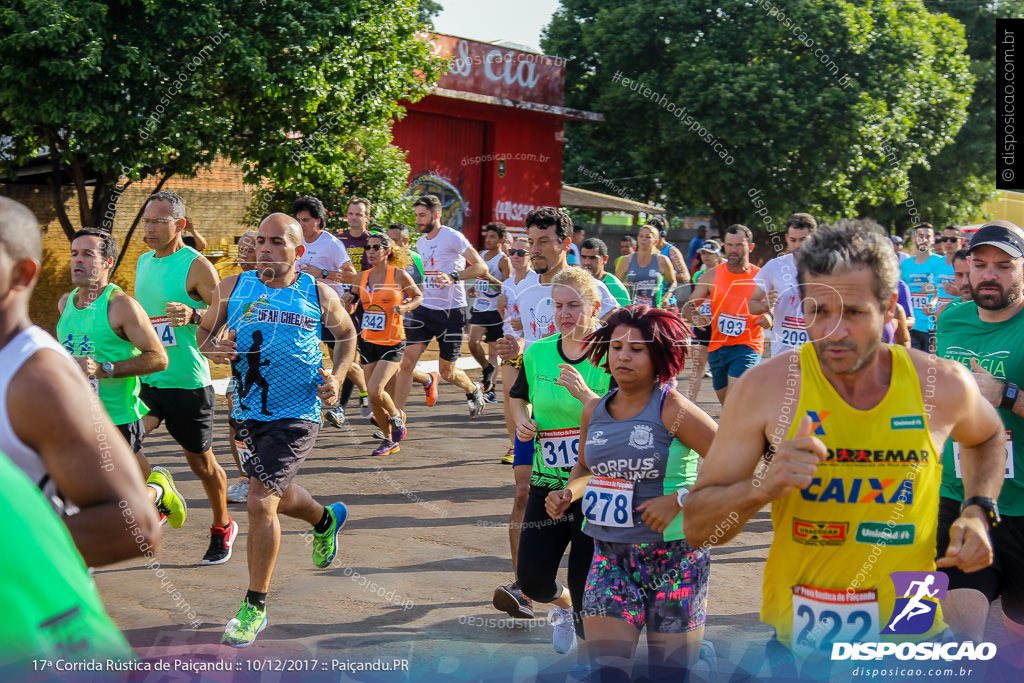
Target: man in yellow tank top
[{"x": 840, "y": 436}]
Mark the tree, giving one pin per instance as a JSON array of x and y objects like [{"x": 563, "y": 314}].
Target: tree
[
  {"x": 746, "y": 106},
  {"x": 111, "y": 94}
]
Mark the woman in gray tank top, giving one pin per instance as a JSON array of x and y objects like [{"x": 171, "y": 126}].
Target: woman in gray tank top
[{"x": 639, "y": 446}]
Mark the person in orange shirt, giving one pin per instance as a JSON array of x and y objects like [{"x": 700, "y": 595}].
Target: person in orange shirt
[
  {"x": 737, "y": 337},
  {"x": 387, "y": 292}
]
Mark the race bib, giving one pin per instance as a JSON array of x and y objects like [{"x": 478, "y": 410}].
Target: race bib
[
  {"x": 794, "y": 332},
  {"x": 430, "y": 279},
  {"x": 644, "y": 299},
  {"x": 919, "y": 301},
  {"x": 374, "y": 321},
  {"x": 731, "y": 325},
  {"x": 705, "y": 309},
  {"x": 243, "y": 451},
  {"x": 164, "y": 331},
  {"x": 609, "y": 502},
  {"x": 560, "y": 447},
  {"x": 1008, "y": 469},
  {"x": 822, "y": 616}
]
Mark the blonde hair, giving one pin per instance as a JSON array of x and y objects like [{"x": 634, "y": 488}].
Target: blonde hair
[{"x": 580, "y": 280}]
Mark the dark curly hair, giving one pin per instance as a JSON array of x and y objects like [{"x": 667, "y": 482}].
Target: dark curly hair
[{"x": 664, "y": 331}]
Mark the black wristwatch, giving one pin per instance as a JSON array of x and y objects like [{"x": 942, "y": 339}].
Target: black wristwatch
[
  {"x": 324, "y": 272},
  {"x": 987, "y": 504},
  {"x": 196, "y": 317},
  {"x": 454, "y": 275},
  {"x": 1009, "y": 396}
]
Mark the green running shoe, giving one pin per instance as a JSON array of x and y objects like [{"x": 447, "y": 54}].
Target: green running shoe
[
  {"x": 243, "y": 629},
  {"x": 170, "y": 503},
  {"x": 325, "y": 545}
]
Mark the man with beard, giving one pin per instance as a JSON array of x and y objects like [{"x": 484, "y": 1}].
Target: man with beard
[
  {"x": 920, "y": 272},
  {"x": 961, "y": 281},
  {"x": 839, "y": 438},
  {"x": 986, "y": 337}
]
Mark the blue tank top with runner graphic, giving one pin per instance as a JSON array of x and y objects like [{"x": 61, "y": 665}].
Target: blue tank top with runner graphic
[{"x": 277, "y": 332}]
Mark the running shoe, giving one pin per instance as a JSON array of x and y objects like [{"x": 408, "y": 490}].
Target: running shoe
[
  {"x": 239, "y": 491},
  {"x": 325, "y": 545},
  {"x": 170, "y": 503},
  {"x": 490, "y": 397},
  {"x": 387, "y": 447},
  {"x": 398, "y": 426},
  {"x": 564, "y": 636},
  {"x": 336, "y": 416},
  {"x": 510, "y": 599},
  {"x": 243, "y": 629},
  {"x": 431, "y": 389},
  {"x": 487, "y": 376},
  {"x": 509, "y": 456},
  {"x": 379, "y": 435},
  {"x": 707, "y": 661},
  {"x": 476, "y": 403},
  {"x": 221, "y": 540},
  {"x": 365, "y": 411}
]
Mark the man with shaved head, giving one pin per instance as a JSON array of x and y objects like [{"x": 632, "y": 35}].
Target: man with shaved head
[
  {"x": 75, "y": 456},
  {"x": 174, "y": 283},
  {"x": 266, "y": 323}
]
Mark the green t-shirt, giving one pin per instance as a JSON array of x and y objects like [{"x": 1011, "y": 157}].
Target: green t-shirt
[
  {"x": 999, "y": 348},
  {"x": 87, "y": 332},
  {"x": 617, "y": 289},
  {"x": 51, "y": 607},
  {"x": 555, "y": 410},
  {"x": 157, "y": 282}
]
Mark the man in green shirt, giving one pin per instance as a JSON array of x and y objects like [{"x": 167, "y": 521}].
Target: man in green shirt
[
  {"x": 593, "y": 257},
  {"x": 174, "y": 283},
  {"x": 111, "y": 338},
  {"x": 986, "y": 335}
]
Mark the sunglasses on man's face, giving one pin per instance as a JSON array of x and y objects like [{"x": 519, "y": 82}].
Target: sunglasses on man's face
[
  {"x": 517, "y": 252},
  {"x": 940, "y": 240}
]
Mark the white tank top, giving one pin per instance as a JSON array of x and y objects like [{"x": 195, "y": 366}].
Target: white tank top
[
  {"x": 487, "y": 293},
  {"x": 12, "y": 357}
]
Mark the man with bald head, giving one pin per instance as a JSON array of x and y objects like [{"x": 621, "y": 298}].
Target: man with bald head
[
  {"x": 266, "y": 323},
  {"x": 73, "y": 453},
  {"x": 174, "y": 283}
]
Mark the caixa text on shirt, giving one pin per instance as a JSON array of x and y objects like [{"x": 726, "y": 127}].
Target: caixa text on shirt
[{"x": 277, "y": 317}]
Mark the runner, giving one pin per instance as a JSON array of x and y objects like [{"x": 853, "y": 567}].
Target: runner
[
  {"x": 556, "y": 382},
  {"x": 173, "y": 283},
  {"x": 355, "y": 238},
  {"x": 512, "y": 330},
  {"x": 919, "y": 273},
  {"x": 387, "y": 293},
  {"x": 986, "y": 336},
  {"x": 448, "y": 258},
  {"x": 485, "y": 320},
  {"x": 710, "y": 254},
  {"x": 244, "y": 261},
  {"x": 326, "y": 259},
  {"x": 948, "y": 244},
  {"x": 737, "y": 336},
  {"x": 696, "y": 243},
  {"x": 639, "y": 447},
  {"x": 110, "y": 336},
  {"x": 53, "y": 425},
  {"x": 675, "y": 257},
  {"x": 627, "y": 245},
  {"x": 273, "y": 316},
  {"x": 593, "y": 257},
  {"x": 777, "y": 292},
  {"x": 819, "y": 410},
  {"x": 579, "y": 233},
  {"x": 961, "y": 281},
  {"x": 647, "y": 269}
]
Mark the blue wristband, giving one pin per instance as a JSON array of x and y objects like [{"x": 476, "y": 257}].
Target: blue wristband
[{"x": 523, "y": 453}]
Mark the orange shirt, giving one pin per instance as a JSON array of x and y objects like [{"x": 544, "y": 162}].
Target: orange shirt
[
  {"x": 380, "y": 324},
  {"x": 731, "y": 322}
]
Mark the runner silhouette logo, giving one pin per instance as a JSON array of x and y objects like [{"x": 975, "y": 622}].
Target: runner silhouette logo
[{"x": 917, "y": 601}]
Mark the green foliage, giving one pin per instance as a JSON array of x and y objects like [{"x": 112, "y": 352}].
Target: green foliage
[
  {"x": 809, "y": 135},
  {"x": 287, "y": 89}
]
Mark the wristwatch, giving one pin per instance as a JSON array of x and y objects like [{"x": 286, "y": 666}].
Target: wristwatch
[
  {"x": 107, "y": 369},
  {"x": 1009, "y": 396},
  {"x": 324, "y": 272},
  {"x": 987, "y": 504},
  {"x": 454, "y": 275},
  {"x": 681, "y": 495}
]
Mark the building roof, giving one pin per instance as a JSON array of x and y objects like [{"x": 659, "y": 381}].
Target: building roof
[{"x": 588, "y": 200}]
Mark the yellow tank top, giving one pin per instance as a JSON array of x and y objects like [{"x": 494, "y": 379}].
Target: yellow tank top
[{"x": 872, "y": 509}]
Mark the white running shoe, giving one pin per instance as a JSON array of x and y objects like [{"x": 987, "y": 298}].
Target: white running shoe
[{"x": 564, "y": 635}]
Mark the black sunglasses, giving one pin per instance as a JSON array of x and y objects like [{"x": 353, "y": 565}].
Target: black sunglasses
[
  {"x": 517, "y": 252},
  {"x": 375, "y": 247},
  {"x": 940, "y": 240}
]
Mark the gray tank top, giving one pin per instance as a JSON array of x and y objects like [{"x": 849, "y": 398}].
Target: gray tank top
[
  {"x": 644, "y": 282},
  {"x": 639, "y": 450}
]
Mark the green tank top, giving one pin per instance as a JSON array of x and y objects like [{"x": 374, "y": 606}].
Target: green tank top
[
  {"x": 87, "y": 332},
  {"x": 556, "y": 412},
  {"x": 51, "y": 607},
  {"x": 157, "y": 282},
  {"x": 961, "y": 335}
]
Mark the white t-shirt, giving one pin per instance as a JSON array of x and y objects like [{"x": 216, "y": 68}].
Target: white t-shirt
[
  {"x": 443, "y": 254},
  {"x": 326, "y": 252},
  {"x": 537, "y": 311},
  {"x": 486, "y": 294},
  {"x": 779, "y": 275}
]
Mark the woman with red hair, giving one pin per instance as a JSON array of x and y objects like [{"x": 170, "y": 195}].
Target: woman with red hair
[{"x": 639, "y": 446}]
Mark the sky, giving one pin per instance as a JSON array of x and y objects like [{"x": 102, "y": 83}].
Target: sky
[{"x": 492, "y": 20}]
